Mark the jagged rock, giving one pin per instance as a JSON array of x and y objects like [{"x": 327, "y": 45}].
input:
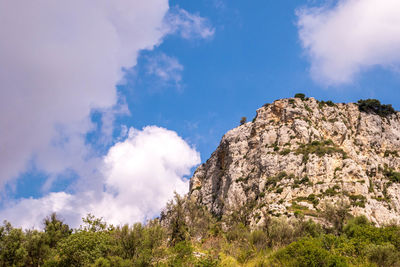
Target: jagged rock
[{"x": 298, "y": 154}]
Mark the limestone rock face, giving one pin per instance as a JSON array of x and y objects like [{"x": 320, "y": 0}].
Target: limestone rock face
[{"x": 297, "y": 155}]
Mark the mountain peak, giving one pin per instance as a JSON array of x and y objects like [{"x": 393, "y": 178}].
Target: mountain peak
[{"x": 300, "y": 154}]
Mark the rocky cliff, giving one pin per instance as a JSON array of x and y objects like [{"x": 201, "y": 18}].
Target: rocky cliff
[{"x": 299, "y": 154}]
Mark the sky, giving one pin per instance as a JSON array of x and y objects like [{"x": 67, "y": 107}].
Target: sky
[{"x": 107, "y": 107}]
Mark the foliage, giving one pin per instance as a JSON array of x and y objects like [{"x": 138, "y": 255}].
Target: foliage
[
  {"x": 375, "y": 106},
  {"x": 383, "y": 255},
  {"x": 84, "y": 247},
  {"x": 285, "y": 152},
  {"x": 358, "y": 200},
  {"x": 320, "y": 148},
  {"x": 243, "y": 120},
  {"x": 55, "y": 229},
  {"x": 308, "y": 252},
  {"x": 329, "y": 103},
  {"x": 189, "y": 235},
  {"x": 392, "y": 175},
  {"x": 177, "y": 226},
  {"x": 12, "y": 251},
  {"x": 300, "y": 95},
  {"x": 337, "y": 215}
]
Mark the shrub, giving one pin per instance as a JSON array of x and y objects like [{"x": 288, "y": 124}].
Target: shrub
[
  {"x": 308, "y": 252},
  {"x": 182, "y": 254},
  {"x": 330, "y": 103},
  {"x": 392, "y": 175},
  {"x": 84, "y": 247},
  {"x": 275, "y": 179},
  {"x": 320, "y": 148},
  {"x": 306, "y": 107},
  {"x": 259, "y": 239},
  {"x": 313, "y": 199},
  {"x": 375, "y": 106},
  {"x": 300, "y": 95},
  {"x": 243, "y": 120},
  {"x": 393, "y": 153},
  {"x": 383, "y": 255},
  {"x": 337, "y": 215},
  {"x": 358, "y": 200},
  {"x": 285, "y": 152}
]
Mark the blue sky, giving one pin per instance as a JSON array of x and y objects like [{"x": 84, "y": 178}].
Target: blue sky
[
  {"x": 192, "y": 77},
  {"x": 254, "y": 57}
]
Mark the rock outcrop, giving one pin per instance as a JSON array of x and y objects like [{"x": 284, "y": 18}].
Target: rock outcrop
[{"x": 299, "y": 154}]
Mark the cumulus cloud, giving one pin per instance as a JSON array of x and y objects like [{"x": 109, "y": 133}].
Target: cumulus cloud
[
  {"x": 350, "y": 37},
  {"x": 59, "y": 61},
  {"x": 138, "y": 177}
]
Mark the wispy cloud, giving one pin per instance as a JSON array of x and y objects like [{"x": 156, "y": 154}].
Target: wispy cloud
[
  {"x": 344, "y": 39},
  {"x": 189, "y": 26},
  {"x": 167, "y": 70}
]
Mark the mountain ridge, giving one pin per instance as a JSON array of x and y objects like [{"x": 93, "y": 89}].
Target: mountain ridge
[{"x": 300, "y": 154}]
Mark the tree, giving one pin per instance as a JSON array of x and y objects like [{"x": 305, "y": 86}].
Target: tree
[
  {"x": 37, "y": 247},
  {"x": 84, "y": 248},
  {"x": 12, "y": 252},
  {"x": 93, "y": 224},
  {"x": 337, "y": 215},
  {"x": 129, "y": 239},
  {"x": 176, "y": 224},
  {"x": 55, "y": 229}
]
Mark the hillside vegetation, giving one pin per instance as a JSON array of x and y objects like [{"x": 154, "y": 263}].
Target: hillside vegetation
[{"x": 193, "y": 237}]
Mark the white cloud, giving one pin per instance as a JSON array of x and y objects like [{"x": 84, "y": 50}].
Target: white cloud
[
  {"x": 188, "y": 25},
  {"x": 167, "y": 69},
  {"x": 350, "y": 37},
  {"x": 59, "y": 61},
  {"x": 139, "y": 175}
]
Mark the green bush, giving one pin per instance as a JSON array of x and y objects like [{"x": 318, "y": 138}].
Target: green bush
[
  {"x": 300, "y": 95},
  {"x": 182, "y": 252},
  {"x": 320, "y": 148},
  {"x": 392, "y": 175},
  {"x": 358, "y": 200},
  {"x": 84, "y": 248},
  {"x": 329, "y": 103},
  {"x": 259, "y": 239},
  {"x": 383, "y": 255},
  {"x": 375, "y": 106},
  {"x": 275, "y": 179},
  {"x": 337, "y": 215},
  {"x": 285, "y": 152},
  {"x": 308, "y": 252}
]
